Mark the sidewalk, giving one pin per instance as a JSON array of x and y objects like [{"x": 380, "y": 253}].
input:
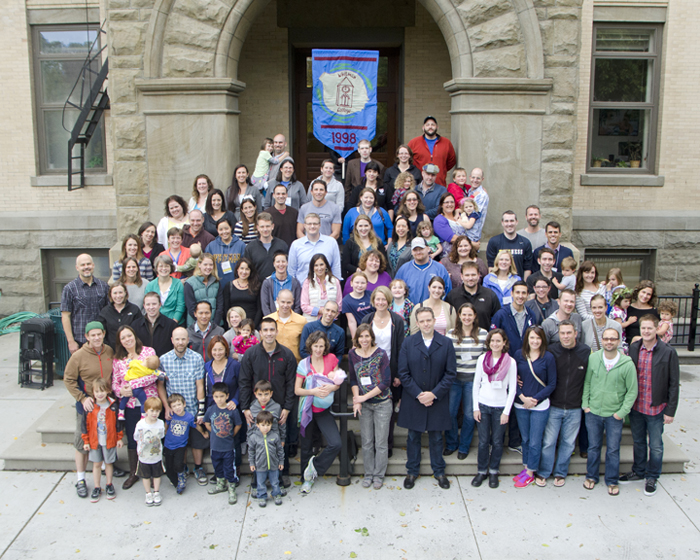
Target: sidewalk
[{"x": 41, "y": 516}]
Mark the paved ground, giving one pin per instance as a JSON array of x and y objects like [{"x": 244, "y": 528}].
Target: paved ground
[{"x": 41, "y": 517}]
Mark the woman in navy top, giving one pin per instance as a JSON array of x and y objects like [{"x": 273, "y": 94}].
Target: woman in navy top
[{"x": 538, "y": 373}]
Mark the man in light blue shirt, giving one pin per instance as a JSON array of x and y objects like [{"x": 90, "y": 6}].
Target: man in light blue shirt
[{"x": 313, "y": 242}]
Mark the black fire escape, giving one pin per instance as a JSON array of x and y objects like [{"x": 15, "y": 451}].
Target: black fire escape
[{"x": 93, "y": 103}]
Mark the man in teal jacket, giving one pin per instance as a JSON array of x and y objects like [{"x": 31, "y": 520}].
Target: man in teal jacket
[{"x": 609, "y": 392}]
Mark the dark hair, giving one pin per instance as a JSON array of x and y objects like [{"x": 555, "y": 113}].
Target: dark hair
[
  {"x": 119, "y": 351},
  {"x": 264, "y": 417},
  {"x": 201, "y": 301},
  {"x": 645, "y": 284},
  {"x": 365, "y": 191},
  {"x": 139, "y": 243},
  {"x": 395, "y": 236},
  {"x": 152, "y": 294},
  {"x": 118, "y": 284},
  {"x": 454, "y": 255},
  {"x": 424, "y": 309},
  {"x": 362, "y": 265},
  {"x": 526, "y": 342},
  {"x": 247, "y": 323},
  {"x": 220, "y": 387},
  {"x": 362, "y": 328},
  {"x": 374, "y": 166},
  {"x": 144, "y": 226},
  {"x": 313, "y": 338},
  {"x": 443, "y": 198},
  {"x": 266, "y": 142},
  {"x": 437, "y": 279},
  {"x": 122, "y": 278},
  {"x": 318, "y": 182},
  {"x": 542, "y": 279},
  {"x": 279, "y": 253},
  {"x": 218, "y": 339},
  {"x": 504, "y": 336},
  {"x": 253, "y": 281},
  {"x": 233, "y": 190},
  {"x": 403, "y": 209},
  {"x": 224, "y": 220},
  {"x": 176, "y": 397},
  {"x": 459, "y": 326},
  {"x": 245, "y": 224},
  {"x": 312, "y": 264},
  {"x": 209, "y": 208},
  {"x": 552, "y": 224},
  {"x": 267, "y": 319},
  {"x": 262, "y": 385},
  {"x": 566, "y": 323},
  {"x": 649, "y": 317},
  {"x": 587, "y": 266},
  {"x": 293, "y": 178},
  {"x": 179, "y": 200},
  {"x": 547, "y": 250},
  {"x": 410, "y": 154},
  {"x": 519, "y": 283}
]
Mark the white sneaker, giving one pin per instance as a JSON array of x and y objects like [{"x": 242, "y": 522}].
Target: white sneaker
[
  {"x": 157, "y": 500},
  {"x": 149, "y": 499},
  {"x": 310, "y": 472},
  {"x": 306, "y": 487}
]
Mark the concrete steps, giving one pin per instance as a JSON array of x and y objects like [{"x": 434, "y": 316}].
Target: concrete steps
[{"x": 47, "y": 446}]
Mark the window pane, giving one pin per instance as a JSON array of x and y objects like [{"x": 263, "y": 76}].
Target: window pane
[
  {"x": 59, "y": 76},
  {"x": 623, "y": 80},
  {"x": 66, "y": 42},
  {"x": 56, "y": 140},
  {"x": 624, "y": 40},
  {"x": 620, "y": 138}
]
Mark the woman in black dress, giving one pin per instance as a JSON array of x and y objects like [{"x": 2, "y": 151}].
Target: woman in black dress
[{"x": 244, "y": 291}]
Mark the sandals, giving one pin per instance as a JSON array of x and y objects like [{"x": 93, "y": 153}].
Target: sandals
[
  {"x": 559, "y": 481},
  {"x": 540, "y": 481},
  {"x": 589, "y": 484},
  {"x": 613, "y": 490}
]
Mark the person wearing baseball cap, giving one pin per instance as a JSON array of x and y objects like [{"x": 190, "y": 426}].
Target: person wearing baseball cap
[
  {"x": 429, "y": 191},
  {"x": 430, "y": 147},
  {"x": 420, "y": 269}
]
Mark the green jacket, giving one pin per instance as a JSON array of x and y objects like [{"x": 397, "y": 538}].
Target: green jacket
[
  {"x": 609, "y": 392},
  {"x": 174, "y": 306}
]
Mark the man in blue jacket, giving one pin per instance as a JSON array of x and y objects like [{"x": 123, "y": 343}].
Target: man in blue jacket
[
  {"x": 326, "y": 324},
  {"x": 427, "y": 369}
]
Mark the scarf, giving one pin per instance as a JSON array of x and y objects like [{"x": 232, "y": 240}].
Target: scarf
[
  {"x": 499, "y": 370},
  {"x": 398, "y": 195}
]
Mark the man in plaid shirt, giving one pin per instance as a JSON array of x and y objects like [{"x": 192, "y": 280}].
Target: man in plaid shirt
[{"x": 658, "y": 375}]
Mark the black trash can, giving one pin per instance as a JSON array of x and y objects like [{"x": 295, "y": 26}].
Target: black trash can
[{"x": 36, "y": 352}]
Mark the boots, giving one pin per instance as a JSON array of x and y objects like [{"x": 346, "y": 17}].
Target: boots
[
  {"x": 221, "y": 486},
  {"x": 133, "y": 465},
  {"x": 181, "y": 482},
  {"x": 232, "y": 498}
]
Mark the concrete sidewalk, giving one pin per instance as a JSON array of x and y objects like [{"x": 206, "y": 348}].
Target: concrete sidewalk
[{"x": 41, "y": 516}]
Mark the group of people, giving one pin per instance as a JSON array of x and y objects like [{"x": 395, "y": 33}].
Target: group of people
[{"x": 250, "y": 303}]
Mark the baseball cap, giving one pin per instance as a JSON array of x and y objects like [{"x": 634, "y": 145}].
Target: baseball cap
[
  {"x": 94, "y": 325},
  {"x": 429, "y": 118},
  {"x": 417, "y": 243}
]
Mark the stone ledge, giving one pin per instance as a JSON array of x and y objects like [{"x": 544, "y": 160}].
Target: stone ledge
[
  {"x": 614, "y": 180},
  {"x": 53, "y": 221},
  {"x": 185, "y": 85},
  {"x": 506, "y": 85},
  {"x": 615, "y": 11},
  {"x": 499, "y": 95},
  {"x": 101, "y": 180},
  {"x": 636, "y": 220}
]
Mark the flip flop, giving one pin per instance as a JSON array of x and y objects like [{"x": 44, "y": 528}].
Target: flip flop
[
  {"x": 589, "y": 484},
  {"x": 614, "y": 490},
  {"x": 540, "y": 481},
  {"x": 559, "y": 481}
]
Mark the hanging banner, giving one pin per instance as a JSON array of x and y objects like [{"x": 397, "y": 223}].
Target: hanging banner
[{"x": 344, "y": 97}]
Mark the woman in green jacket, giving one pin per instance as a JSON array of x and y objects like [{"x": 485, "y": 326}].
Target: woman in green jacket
[{"x": 172, "y": 295}]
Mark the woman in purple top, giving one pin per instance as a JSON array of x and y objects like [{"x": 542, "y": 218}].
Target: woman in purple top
[
  {"x": 446, "y": 224},
  {"x": 373, "y": 264}
]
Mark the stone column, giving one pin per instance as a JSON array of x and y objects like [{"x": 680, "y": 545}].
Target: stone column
[{"x": 191, "y": 127}]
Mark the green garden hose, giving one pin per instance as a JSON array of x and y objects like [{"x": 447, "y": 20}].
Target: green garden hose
[{"x": 12, "y": 323}]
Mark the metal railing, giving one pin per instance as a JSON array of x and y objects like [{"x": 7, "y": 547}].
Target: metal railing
[
  {"x": 339, "y": 410},
  {"x": 685, "y": 324}
]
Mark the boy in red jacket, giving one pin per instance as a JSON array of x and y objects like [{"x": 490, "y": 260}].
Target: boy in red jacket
[{"x": 102, "y": 435}]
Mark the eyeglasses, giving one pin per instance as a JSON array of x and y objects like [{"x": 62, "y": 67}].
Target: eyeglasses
[{"x": 610, "y": 339}]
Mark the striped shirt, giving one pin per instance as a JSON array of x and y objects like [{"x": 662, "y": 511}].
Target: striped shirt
[
  {"x": 183, "y": 374},
  {"x": 468, "y": 353},
  {"x": 252, "y": 232}
]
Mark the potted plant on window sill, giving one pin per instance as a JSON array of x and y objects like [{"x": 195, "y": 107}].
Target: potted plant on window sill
[
  {"x": 599, "y": 161},
  {"x": 635, "y": 154}
]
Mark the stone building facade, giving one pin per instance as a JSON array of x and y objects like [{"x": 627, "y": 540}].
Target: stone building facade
[{"x": 196, "y": 84}]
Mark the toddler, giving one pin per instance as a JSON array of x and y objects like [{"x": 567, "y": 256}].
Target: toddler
[
  {"x": 102, "y": 435},
  {"x": 620, "y": 302},
  {"x": 262, "y": 165},
  {"x": 425, "y": 230},
  {"x": 245, "y": 339},
  {"x": 568, "y": 272},
  {"x": 266, "y": 457},
  {"x": 667, "y": 311},
  {"x": 148, "y": 435},
  {"x": 191, "y": 263},
  {"x": 136, "y": 376},
  {"x": 223, "y": 425},
  {"x": 613, "y": 282},
  {"x": 470, "y": 214}
]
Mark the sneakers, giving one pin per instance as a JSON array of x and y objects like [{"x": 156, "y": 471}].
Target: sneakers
[
  {"x": 262, "y": 502},
  {"x": 157, "y": 500},
  {"x": 149, "y": 499},
  {"x": 517, "y": 449},
  {"x": 630, "y": 477},
  {"x": 520, "y": 475},
  {"x": 95, "y": 496},
  {"x": 201, "y": 476},
  {"x": 120, "y": 416},
  {"x": 650, "y": 487},
  {"x": 232, "y": 496},
  {"x": 221, "y": 486},
  {"x": 109, "y": 491},
  {"x": 310, "y": 472},
  {"x": 278, "y": 500},
  {"x": 307, "y": 486},
  {"x": 524, "y": 481},
  {"x": 181, "y": 482},
  {"x": 81, "y": 489}
]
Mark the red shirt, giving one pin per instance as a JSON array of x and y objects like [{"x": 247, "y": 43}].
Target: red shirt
[{"x": 643, "y": 402}]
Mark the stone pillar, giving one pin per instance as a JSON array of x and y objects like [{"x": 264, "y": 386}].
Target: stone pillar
[{"x": 191, "y": 127}]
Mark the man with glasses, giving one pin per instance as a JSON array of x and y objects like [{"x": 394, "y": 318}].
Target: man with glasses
[
  {"x": 542, "y": 305},
  {"x": 304, "y": 248}
]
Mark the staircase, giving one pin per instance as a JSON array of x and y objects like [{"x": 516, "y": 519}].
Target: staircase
[{"x": 47, "y": 446}]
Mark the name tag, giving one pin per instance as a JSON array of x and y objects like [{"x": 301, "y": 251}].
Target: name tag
[
  {"x": 507, "y": 300},
  {"x": 365, "y": 381},
  {"x": 555, "y": 269},
  {"x": 226, "y": 267},
  {"x": 466, "y": 356},
  {"x": 289, "y": 201},
  {"x": 497, "y": 384}
]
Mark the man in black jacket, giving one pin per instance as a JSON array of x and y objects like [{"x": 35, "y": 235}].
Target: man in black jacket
[
  {"x": 261, "y": 251},
  {"x": 275, "y": 363},
  {"x": 658, "y": 375},
  {"x": 155, "y": 330},
  {"x": 484, "y": 300},
  {"x": 565, "y": 405}
]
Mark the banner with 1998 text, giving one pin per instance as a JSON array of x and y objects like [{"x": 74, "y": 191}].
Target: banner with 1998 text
[{"x": 344, "y": 97}]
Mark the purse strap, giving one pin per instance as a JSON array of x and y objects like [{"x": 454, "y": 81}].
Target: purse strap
[{"x": 534, "y": 374}]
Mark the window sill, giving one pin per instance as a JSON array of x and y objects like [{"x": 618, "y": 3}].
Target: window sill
[
  {"x": 615, "y": 180},
  {"x": 101, "y": 180}
]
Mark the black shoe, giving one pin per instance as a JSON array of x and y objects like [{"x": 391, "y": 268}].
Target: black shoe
[
  {"x": 447, "y": 452},
  {"x": 95, "y": 496},
  {"x": 650, "y": 487},
  {"x": 493, "y": 480},
  {"x": 443, "y": 482},
  {"x": 630, "y": 477},
  {"x": 478, "y": 479},
  {"x": 391, "y": 452},
  {"x": 285, "y": 482},
  {"x": 408, "y": 482},
  {"x": 212, "y": 480},
  {"x": 292, "y": 450},
  {"x": 584, "y": 454},
  {"x": 81, "y": 488},
  {"x": 118, "y": 473},
  {"x": 462, "y": 456}
]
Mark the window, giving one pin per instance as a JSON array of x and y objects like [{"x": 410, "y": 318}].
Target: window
[
  {"x": 624, "y": 98},
  {"x": 59, "y": 267},
  {"x": 635, "y": 264},
  {"x": 59, "y": 55}
]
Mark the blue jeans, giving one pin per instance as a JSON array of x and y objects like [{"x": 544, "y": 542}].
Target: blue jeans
[
  {"x": 565, "y": 423},
  {"x": 273, "y": 476},
  {"x": 413, "y": 447},
  {"x": 491, "y": 433},
  {"x": 531, "y": 424},
  {"x": 653, "y": 426},
  {"x": 613, "y": 435},
  {"x": 461, "y": 393}
]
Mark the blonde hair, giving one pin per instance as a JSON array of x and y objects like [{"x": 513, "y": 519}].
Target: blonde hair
[
  {"x": 471, "y": 201},
  {"x": 239, "y": 310},
  {"x": 373, "y": 239},
  {"x": 569, "y": 262},
  {"x": 512, "y": 270},
  {"x": 386, "y": 292},
  {"x": 198, "y": 272},
  {"x": 401, "y": 283}
]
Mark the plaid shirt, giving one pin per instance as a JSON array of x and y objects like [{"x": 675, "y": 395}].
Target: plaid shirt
[
  {"x": 84, "y": 303},
  {"x": 183, "y": 373},
  {"x": 643, "y": 402}
]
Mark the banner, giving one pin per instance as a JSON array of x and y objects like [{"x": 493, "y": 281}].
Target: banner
[{"x": 344, "y": 97}]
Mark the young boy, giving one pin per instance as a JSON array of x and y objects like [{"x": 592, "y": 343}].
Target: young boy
[
  {"x": 357, "y": 303},
  {"x": 568, "y": 271},
  {"x": 266, "y": 457},
  {"x": 148, "y": 435},
  {"x": 223, "y": 425},
  {"x": 176, "y": 437},
  {"x": 102, "y": 434},
  {"x": 263, "y": 402}
]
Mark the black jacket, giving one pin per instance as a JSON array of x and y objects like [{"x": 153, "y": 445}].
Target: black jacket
[
  {"x": 485, "y": 302},
  {"x": 665, "y": 374},
  {"x": 161, "y": 341},
  {"x": 113, "y": 319},
  {"x": 262, "y": 258},
  {"x": 350, "y": 258},
  {"x": 572, "y": 364},
  {"x": 279, "y": 369},
  {"x": 397, "y": 336}
]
